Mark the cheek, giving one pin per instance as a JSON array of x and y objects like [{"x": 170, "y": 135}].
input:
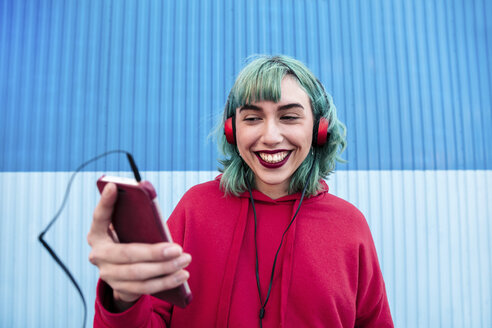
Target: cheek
[
  {"x": 309, "y": 136},
  {"x": 243, "y": 144},
  {"x": 303, "y": 139},
  {"x": 246, "y": 137}
]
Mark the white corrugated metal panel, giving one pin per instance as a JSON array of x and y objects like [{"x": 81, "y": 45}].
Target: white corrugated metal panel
[{"x": 431, "y": 229}]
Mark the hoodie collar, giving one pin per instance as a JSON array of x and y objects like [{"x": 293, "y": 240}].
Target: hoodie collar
[{"x": 261, "y": 197}]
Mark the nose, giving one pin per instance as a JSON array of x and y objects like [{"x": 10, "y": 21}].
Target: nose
[{"x": 272, "y": 133}]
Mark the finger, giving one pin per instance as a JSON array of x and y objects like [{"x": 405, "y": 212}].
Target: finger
[
  {"x": 143, "y": 271},
  {"x": 104, "y": 210},
  {"x": 154, "y": 285},
  {"x": 135, "y": 253}
]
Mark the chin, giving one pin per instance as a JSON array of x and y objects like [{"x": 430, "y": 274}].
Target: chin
[{"x": 274, "y": 182}]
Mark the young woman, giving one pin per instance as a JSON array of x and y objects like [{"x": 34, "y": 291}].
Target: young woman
[{"x": 271, "y": 246}]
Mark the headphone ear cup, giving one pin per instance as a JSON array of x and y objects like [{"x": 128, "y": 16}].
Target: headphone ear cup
[
  {"x": 320, "y": 132},
  {"x": 230, "y": 130}
]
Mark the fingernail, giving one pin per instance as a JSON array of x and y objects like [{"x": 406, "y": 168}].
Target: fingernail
[
  {"x": 172, "y": 251},
  {"x": 182, "y": 276},
  {"x": 182, "y": 260},
  {"x": 107, "y": 190}
]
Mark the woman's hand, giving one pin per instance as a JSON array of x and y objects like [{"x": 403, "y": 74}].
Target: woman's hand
[{"x": 132, "y": 269}]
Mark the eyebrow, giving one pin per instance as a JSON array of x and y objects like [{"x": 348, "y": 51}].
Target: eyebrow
[{"x": 284, "y": 107}]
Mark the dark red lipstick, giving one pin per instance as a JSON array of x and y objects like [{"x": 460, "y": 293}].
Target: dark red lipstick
[{"x": 272, "y": 165}]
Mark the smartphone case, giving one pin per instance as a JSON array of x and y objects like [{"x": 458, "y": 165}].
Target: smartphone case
[{"x": 137, "y": 219}]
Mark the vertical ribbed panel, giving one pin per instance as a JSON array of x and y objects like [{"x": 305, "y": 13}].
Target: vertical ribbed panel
[
  {"x": 411, "y": 80},
  {"x": 80, "y": 77},
  {"x": 431, "y": 229},
  {"x": 432, "y": 233}
]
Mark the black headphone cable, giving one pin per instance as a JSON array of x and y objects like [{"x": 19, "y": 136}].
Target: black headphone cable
[
  {"x": 67, "y": 191},
  {"x": 263, "y": 304}
]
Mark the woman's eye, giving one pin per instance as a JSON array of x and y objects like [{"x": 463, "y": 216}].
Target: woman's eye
[
  {"x": 289, "y": 118},
  {"x": 251, "y": 119}
]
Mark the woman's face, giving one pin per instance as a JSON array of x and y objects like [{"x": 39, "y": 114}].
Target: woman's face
[{"x": 275, "y": 138}]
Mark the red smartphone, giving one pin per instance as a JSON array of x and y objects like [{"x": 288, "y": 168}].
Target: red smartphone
[{"x": 137, "y": 218}]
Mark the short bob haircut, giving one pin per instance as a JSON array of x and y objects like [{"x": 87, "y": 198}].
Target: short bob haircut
[{"x": 260, "y": 80}]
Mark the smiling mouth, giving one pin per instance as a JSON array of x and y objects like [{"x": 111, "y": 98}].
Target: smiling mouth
[{"x": 273, "y": 160}]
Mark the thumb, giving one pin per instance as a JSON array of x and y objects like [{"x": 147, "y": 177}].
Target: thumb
[{"x": 102, "y": 214}]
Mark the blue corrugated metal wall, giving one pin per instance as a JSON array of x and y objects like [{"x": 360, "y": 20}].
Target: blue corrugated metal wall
[{"x": 411, "y": 80}]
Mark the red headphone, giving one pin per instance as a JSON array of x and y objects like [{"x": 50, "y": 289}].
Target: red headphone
[{"x": 320, "y": 131}]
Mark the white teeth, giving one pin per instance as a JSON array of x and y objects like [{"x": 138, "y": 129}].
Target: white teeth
[{"x": 274, "y": 158}]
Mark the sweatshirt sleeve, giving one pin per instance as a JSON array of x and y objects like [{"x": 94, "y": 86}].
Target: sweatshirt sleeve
[
  {"x": 147, "y": 312},
  {"x": 372, "y": 303}
]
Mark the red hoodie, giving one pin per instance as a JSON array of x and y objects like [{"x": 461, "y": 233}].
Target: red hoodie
[{"x": 327, "y": 272}]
